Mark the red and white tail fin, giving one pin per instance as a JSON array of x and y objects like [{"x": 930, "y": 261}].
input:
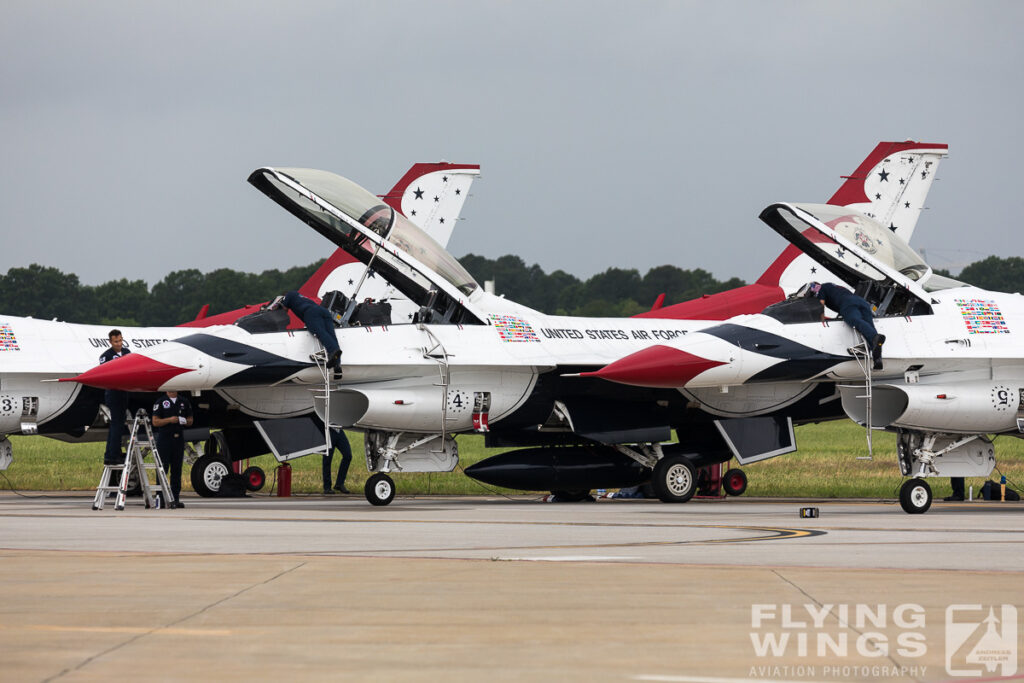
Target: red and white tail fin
[
  {"x": 890, "y": 185},
  {"x": 430, "y": 195}
]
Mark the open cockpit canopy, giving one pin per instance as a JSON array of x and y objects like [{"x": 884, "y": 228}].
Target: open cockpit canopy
[
  {"x": 846, "y": 242},
  {"x": 374, "y": 233},
  {"x": 858, "y": 250}
]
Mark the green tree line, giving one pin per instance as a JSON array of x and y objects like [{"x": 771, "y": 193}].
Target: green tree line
[{"x": 46, "y": 292}]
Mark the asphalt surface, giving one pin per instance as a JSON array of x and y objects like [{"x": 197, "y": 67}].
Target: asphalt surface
[{"x": 470, "y": 588}]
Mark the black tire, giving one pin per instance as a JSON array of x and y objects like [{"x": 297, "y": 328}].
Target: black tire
[
  {"x": 674, "y": 479},
  {"x": 207, "y": 474},
  {"x": 255, "y": 478},
  {"x": 915, "y": 496},
  {"x": 379, "y": 489},
  {"x": 216, "y": 446},
  {"x": 571, "y": 496},
  {"x": 734, "y": 483},
  {"x": 134, "y": 485}
]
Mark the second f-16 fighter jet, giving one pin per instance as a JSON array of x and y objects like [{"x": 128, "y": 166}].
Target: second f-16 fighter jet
[
  {"x": 604, "y": 393},
  {"x": 952, "y": 371}
]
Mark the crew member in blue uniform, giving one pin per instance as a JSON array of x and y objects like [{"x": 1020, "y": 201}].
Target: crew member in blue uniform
[
  {"x": 116, "y": 402},
  {"x": 340, "y": 442},
  {"x": 171, "y": 414},
  {"x": 319, "y": 321},
  {"x": 855, "y": 312}
]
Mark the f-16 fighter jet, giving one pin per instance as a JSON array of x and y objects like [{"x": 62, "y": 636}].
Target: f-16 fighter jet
[{"x": 952, "y": 371}]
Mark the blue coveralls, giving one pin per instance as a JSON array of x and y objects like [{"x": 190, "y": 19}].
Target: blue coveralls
[
  {"x": 170, "y": 440},
  {"x": 117, "y": 403},
  {"x": 318, "y": 320},
  {"x": 854, "y": 310},
  {"x": 340, "y": 442}
]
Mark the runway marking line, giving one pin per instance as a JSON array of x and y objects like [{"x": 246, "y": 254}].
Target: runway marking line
[
  {"x": 368, "y": 557},
  {"x": 124, "y": 629},
  {"x": 780, "y": 534}
]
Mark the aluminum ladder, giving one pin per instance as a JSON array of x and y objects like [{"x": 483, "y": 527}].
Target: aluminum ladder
[
  {"x": 135, "y": 462},
  {"x": 862, "y": 354}
]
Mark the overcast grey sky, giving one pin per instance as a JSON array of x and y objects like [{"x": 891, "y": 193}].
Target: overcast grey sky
[{"x": 610, "y": 133}]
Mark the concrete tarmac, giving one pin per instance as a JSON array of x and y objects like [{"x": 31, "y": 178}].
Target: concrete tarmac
[{"x": 471, "y": 588}]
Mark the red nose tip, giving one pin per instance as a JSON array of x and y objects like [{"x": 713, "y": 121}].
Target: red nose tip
[
  {"x": 656, "y": 366},
  {"x": 133, "y": 372}
]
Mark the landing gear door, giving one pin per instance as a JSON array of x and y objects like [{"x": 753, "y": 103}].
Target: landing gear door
[
  {"x": 292, "y": 438},
  {"x": 752, "y": 439}
]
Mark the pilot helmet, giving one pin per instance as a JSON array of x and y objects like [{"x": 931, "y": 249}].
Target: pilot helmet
[{"x": 809, "y": 290}]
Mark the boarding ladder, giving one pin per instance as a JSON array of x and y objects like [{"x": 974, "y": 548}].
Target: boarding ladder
[
  {"x": 437, "y": 353},
  {"x": 330, "y": 383},
  {"x": 135, "y": 462},
  {"x": 862, "y": 354}
]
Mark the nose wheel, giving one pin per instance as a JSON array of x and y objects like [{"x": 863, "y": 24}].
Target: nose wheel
[
  {"x": 379, "y": 489},
  {"x": 915, "y": 496}
]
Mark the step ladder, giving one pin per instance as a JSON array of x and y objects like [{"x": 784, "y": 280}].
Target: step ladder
[
  {"x": 135, "y": 462},
  {"x": 862, "y": 354}
]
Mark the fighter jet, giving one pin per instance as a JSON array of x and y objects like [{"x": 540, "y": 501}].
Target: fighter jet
[
  {"x": 952, "y": 371},
  {"x": 35, "y": 352},
  {"x": 468, "y": 361}
]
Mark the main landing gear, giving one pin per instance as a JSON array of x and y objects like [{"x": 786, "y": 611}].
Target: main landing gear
[
  {"x": 210, "y": 469},
  {"x": 674, "y": 479}
]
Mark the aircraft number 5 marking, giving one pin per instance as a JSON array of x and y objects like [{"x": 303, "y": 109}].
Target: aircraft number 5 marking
[{"x": 1000, "y": 397}]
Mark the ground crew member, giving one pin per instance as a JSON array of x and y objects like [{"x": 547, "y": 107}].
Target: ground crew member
[
  {"x": 855, "y": 312},
  {"x": 116, "y": 402},
  {"x": 319, "y": 321},
  {"x": 171, "y": 414},
  {"x": 340, "y": 442}
]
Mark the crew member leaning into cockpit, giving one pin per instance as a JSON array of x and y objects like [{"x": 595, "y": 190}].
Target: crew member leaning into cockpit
[
  {"x": 855, "y": 312},
  {"x": 319, "y": 321}
]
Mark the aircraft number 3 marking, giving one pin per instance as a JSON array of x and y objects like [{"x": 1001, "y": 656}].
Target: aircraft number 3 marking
[
  {"x": 459, "y": 401},
  {"x": 1001, "y": 397},
  {"x": 7, "y": 404}
]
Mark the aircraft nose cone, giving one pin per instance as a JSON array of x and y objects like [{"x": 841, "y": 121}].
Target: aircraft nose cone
[
  {"x": 134, "y": 372},
  {"x": 656, "y": 366}
]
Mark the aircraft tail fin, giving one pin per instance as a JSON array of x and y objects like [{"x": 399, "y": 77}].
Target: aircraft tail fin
[
  {"x": 890, "y": 185},
  {"x": 432, "y": 195}
]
